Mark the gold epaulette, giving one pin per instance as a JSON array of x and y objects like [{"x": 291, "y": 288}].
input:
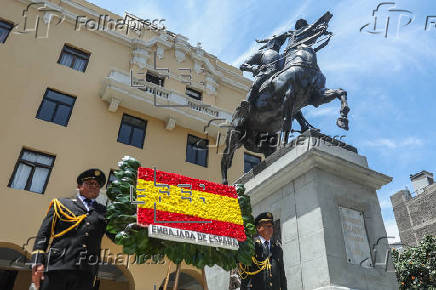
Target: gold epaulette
[
  {"x": 61, "y": 212},
  {"x": 242, "y": 269}
]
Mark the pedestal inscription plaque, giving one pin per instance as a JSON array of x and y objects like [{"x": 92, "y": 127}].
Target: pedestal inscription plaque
[{"x": 355, "y": 237}]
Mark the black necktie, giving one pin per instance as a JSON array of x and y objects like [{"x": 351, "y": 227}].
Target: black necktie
[
  {"x": 88, "y": 203},
  {"x": 267, "y": 246}
]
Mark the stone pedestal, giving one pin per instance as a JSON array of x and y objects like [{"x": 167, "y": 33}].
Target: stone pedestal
[
  {"x": 217, "y": 278},
  {"x": 330, "y": 218}
]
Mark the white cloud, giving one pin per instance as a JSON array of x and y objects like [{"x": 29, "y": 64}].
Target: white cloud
[
  {"x": 150, "y": 10},
  {"x": 323, "y": 112},
  {"x": 385, "y": 203},
  {"x": 213, "y": 23},
  {"x": 287, "y": 25},
  {"x": 410, "y": 141},
  {"x": 250, "y": 51},
  {"x": 392, "y": 143},
  {"x": 356, "y": 53},
  {"x": 382, "y": 142},
  {"x": 392, "y": 231},
  {"x": 216, "y": 24}
]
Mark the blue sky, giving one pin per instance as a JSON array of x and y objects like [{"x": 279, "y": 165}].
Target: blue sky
[{"x": 390, "y": 81}]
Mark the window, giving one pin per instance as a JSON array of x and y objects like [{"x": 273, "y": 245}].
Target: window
[
  {"x": 111, "y": 178},
  {"x": 56, "y": 107},
  {"x": 5, "y": 28},
  {"x": 32, "y": 171},
  {"x": 197, "y": 150},
  {"x": 193, "y": 94},
  {"x": 74, "y": 58},
  {"x": 132, "y": 131},
  {"x": 154, "y": 79},
  {"x": 250, "y": 161}
]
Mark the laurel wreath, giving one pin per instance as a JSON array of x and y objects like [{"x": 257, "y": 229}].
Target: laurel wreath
[{"x": 123, "y": 230}]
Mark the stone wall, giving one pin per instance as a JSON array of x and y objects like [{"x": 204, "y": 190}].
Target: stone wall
[{"x": 415, "y": 216}]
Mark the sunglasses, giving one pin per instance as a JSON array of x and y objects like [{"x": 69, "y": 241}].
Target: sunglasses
[{"x": 91, "y": 183}]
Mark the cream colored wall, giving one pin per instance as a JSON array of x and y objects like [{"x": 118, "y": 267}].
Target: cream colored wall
[{"x": 28, "y": 67}]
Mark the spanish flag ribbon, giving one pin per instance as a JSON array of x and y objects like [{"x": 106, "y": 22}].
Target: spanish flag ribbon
[{"x": 173, "y": 197}]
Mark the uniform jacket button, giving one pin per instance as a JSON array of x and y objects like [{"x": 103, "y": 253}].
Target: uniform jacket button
[
  {"x": 87, "y": 223},
  {"x": 86, "y": 234},
  {"x": 84, "y": 245}
]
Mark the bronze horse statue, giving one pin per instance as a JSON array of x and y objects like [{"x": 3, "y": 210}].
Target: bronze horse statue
[{"x": 284, "y": 85}]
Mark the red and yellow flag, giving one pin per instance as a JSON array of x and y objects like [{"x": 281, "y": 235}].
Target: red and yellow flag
[{"x": 182, "y": 202}]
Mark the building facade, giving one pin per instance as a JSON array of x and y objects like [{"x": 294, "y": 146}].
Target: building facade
[
  {"x": 416, "y": 215},
  {"x": 80, "y": 90}
]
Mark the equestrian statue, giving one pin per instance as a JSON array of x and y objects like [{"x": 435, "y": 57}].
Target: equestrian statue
[{"x": 283, "y": 85}]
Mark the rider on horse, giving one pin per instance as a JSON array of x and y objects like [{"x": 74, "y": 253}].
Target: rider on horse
[
  {"x": 284, "y": 84},
  {"x": 264, "y": 63},
  {"x": 267, "y": 62}
]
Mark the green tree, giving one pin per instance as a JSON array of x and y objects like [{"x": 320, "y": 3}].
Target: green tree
[{"x": 416, "y": 266}]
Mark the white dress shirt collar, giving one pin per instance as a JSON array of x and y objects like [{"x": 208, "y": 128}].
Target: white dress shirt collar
[
  {"x": 82, "y": 198},
  {"x": 263, "y": 242}
]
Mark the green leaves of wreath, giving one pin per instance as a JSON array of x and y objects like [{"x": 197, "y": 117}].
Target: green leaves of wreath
[{"x": 123, "y": 230}]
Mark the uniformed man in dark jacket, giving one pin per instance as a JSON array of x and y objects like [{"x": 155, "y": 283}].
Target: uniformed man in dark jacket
[
  {"x": 75, "y": 227},
  {"x": 267, "y": 270}
]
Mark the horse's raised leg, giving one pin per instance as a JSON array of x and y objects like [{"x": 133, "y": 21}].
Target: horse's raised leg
[
  {"x": 324, "y": 96},
  {"x": 233, "y": 142},
  {"x": 342, "y": 121}
]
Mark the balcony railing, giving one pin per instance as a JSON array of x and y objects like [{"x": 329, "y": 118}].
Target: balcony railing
[
  {"x": 162, "y": 103},
  {"x": 151, "y": 88}
]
